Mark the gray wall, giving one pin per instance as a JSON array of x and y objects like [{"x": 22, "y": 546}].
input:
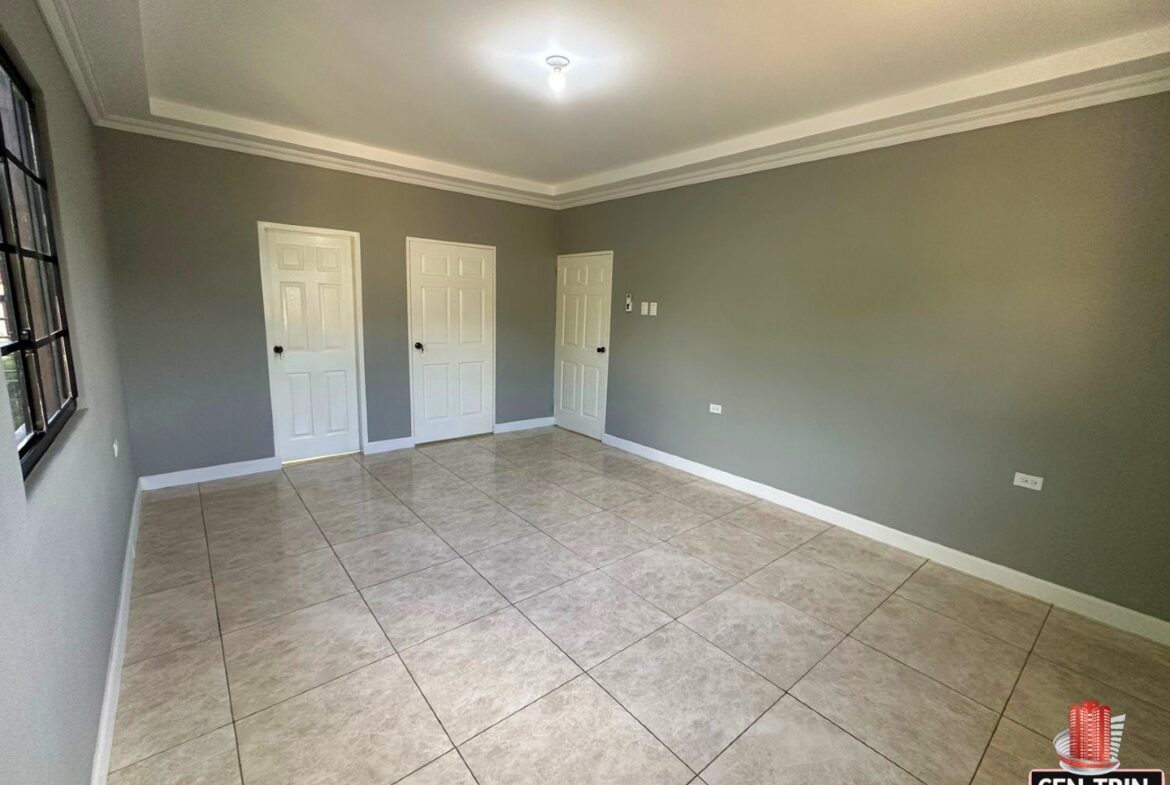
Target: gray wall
[
  {"x": 894, "y": 333},
  {"x": 191, "y": 327},
  {"x": 63, "y": 535}
]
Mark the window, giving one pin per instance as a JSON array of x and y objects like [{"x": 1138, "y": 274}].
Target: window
[{"x": 34, "y": 333}]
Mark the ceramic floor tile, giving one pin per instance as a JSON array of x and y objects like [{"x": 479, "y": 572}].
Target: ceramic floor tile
[
  {"x": 1041, "y": 699},
  {"x": 582, "y": 448},
  {"x": 253, "y": 594},
  {"x": 322, "y": 495},
  {"x": 523, "y": 567},
  {"x": 406, "y": 478},
  {"x": 931, "y": 731},
  {"x": 777, "y": 641},
  {"x": 381, "y": 557},
  {"x": 241, "y": 508},
  {"x": 606, "y": 491},
  {"x": 868, "y": 559},
  {"x": 687, "y": 692},
  {"x": 672, "y": 580},
  {"x": 592, "y": 617},
  {"x": 778, "y": 524},
  {"x": 1130, "y": 663},
  {"x": 793, "y": 745},
  {"x": 477, "y": 674},
  {"x": 207, "y": 760},
  {"x": 169, "y": 699},
  {"x": 169, "y": 620},
  {"x": 550, "y": 507},
  {"x": 370, "y": 727},
  {"x": 405, "y": 456},
  {"x": 443, "y": 499},
  {"x": 447, "y": 769},
  {"x": 482, "y": 527},
  {"x": 565, "y": 470},
  {"x": 281, "y": 657},
  {"x": 614, "y": 461},
  {"x": 661, "y": 516},
  {"x": 506, "y": 485},
  {"x": 963, "y": 658},
  {"x": 709, "y": 497},
  {"x": 479, "y": 464},
  {"x": 264, "y": 541},
  {"x": 170, "y": 522},
  {"x": 340, "y": 468},
  {"x": 165, "y": 566},
  {"x": 576, "y": 735},
  {"x": 830, "y": 595},
  {"x": 430, "y": 602},
  {"x": 355, "y": 521},
  {"x": 249, "y": 483},
  {"x": 657, "y": 477},
  {"x": 729, "y": 547},
  {"x": 1005, "y": 614},
  {"x": 189, "y": 491},
  {"x": 602, "y": 538},
  {"x": 1014, "y": 751}
]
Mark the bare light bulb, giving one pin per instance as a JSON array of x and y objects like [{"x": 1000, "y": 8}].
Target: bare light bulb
[{"x": 556, "y": 77}]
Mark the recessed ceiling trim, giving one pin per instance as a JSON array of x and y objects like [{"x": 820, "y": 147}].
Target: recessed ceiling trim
[{"x": 1031, "y": 89}]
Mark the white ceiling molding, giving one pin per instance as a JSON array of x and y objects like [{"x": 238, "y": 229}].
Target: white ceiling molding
[{"x": 1114, "y": 70}]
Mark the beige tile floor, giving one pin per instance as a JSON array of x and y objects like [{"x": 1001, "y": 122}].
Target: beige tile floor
[{"x": 534, "y": 607}]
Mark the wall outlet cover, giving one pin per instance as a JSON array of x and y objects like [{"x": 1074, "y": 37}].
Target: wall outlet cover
[
  {"x": 716, "y": 408},
  {"x": 645, "y": 307},
  {"x": 653, "y": 309}
]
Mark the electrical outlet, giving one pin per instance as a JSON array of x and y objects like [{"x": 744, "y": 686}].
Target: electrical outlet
[
  {"x": 629, "y": 303},
  {"x": 115, "y": 448},
  {"x": 1029, "y": 481},
  {"x": 653, "y": 309},
  {"x": 716, "y": 408},
  {"x": 645, "y": 307}
]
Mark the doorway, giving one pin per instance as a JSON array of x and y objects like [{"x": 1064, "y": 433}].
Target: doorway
[
  {"x": 452, "y": 338},
  {"x": 311, "y": 279},
  {"x": 584, "y": 283}
]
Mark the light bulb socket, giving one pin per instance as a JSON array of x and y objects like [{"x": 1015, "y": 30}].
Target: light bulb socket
[{"x": 557, "y": 62}]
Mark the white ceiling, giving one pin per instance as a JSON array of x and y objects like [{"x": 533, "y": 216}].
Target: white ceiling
[{"x": 453, "y": 92}]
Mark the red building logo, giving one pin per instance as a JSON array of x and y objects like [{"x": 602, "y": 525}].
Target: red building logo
[{"x": 1091, "y": 743}]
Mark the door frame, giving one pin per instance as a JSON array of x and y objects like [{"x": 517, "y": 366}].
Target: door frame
[
  {"x": 355, "y": 240},
  {"x": 410, "y": 325},
  {"x": 609, "y": 344}
]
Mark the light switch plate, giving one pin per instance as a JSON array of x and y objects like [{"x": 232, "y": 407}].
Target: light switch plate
[
  {"x": 629, "y": 303},
  {"x": 645, "y": 307},
  {"x": 653, "y": 309},
  {"x": 1029, "y": 481}
]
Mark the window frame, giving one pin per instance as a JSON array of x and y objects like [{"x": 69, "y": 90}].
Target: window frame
[{"x": 24, "y": 345}]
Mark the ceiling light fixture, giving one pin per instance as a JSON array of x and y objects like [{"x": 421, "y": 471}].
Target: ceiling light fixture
[{"x": 556, "y": 78}]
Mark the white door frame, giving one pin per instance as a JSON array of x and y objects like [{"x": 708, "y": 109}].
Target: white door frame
[
  {"x": 410, "y": 325},
  {"x": 355, "y": 240},
  {"x": 609, "y": 344}
]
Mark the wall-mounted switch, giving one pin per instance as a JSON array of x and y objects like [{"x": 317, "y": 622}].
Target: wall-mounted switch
[
  {"x": 645, "y": 307},
  {"x": 716, "y": 408},
  {"x": 653, "y": 309},
  {"x": 629, "y": 303},
  {"x": 1029, "y": 481},
  {"x": 115, "y": 448}
]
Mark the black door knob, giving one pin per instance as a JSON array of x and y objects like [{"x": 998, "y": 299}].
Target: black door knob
[
  {"x": 418, "y": 345},
  {"x": 601, "y": 350},
  {"x": 278, "y": 349}
]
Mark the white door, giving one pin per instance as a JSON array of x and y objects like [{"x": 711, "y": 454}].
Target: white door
[
  {"x": 582, "y": 351},
  {"x": 312, "y": 341},
  {"x": 452, "y": 338}
]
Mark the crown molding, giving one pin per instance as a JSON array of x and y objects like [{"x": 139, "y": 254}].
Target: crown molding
[
  {"x": 63, "y": 28},
  {"x": 1066, "y": 81}
]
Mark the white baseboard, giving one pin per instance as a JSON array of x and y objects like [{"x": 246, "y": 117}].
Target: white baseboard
[
  {"x": 208, "y": 473},
  {"x": 1085, "y": 604},
  {"x": 389, "y": 445},
  {"x": 105, "y": 737},
  {"x": 523, "y": 425}
]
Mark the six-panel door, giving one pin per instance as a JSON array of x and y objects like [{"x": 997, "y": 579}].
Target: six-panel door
[
  {"x": 452, "y": 310},
  {"x": 582, "y": 346},
  {"x": 312, "y": 344}
]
